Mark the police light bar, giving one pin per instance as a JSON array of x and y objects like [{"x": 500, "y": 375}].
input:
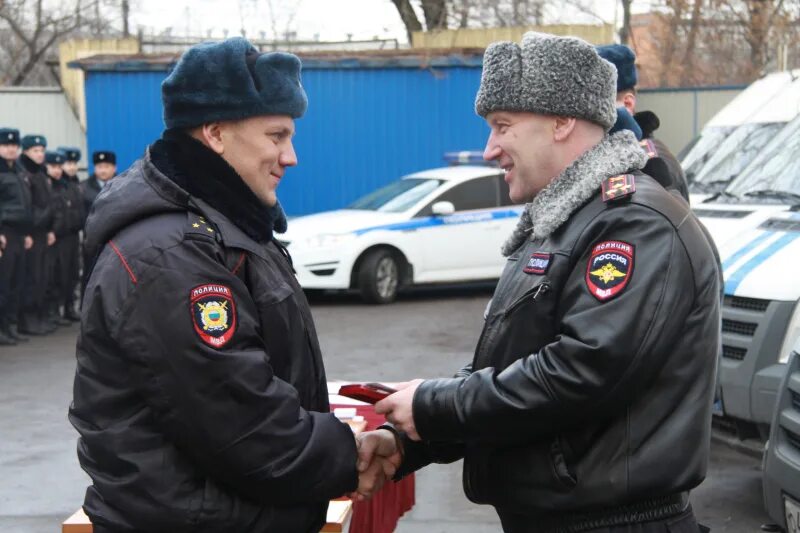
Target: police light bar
[{"x": 467, "y": 157}]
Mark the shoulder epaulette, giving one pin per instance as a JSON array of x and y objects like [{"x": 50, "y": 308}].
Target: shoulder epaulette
[
  {"x": 649, "y": 148},
  {"x": 197, "y": 225},
  {"x": 618, "y": 187}
]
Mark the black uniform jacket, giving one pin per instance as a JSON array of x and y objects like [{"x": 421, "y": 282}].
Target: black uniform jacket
[
  {"x": 16, "y": 210},
  {"x": 67, "y": 207},
  {"x": 90, "y": 188},
  {"x": 200, "y": 394},
  {"x": 40, "y": 197},
  {"x": 593, "y": 377}
]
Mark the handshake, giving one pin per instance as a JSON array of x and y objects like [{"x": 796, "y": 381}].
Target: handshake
[{"x": 379, "y": 457}]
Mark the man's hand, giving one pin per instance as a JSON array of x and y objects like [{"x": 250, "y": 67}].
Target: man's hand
[
  {"x": 398, "y": 408},
  {"x": 379, "y": 457},
  {"x": 51, "y": 238},
  {"x": 28, "y": 242},
  {"x": 2, "y": 242}
]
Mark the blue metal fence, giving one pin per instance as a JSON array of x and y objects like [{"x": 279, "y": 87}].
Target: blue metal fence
[{"x": 366, "y": 124}]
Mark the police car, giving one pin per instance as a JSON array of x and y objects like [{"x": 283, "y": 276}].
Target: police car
[
  {"x": 756, "y": 226},
  {"x": 437, "y": 226}
]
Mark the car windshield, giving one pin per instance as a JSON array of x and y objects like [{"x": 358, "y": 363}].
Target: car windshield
[
  {"x": 397, "y": 196},
  {"x": 734, "y": 154},
  {"x": 703, "y": 149},
  {"x": 775, "y": 173}
]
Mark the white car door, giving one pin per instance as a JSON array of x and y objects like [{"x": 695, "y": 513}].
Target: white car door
[{"x": 466, "y": 244}]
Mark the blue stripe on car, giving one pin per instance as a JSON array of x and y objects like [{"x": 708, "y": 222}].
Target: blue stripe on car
[
  {"x": 744, "y": 250},
  {"x": 449, "y": 220},
  {"x": 735, "y": 279}
]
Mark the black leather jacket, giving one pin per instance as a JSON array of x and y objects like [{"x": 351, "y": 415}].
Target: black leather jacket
[
  {"x": 592, "y": 381},
  {"x": 200, "y": 395}
]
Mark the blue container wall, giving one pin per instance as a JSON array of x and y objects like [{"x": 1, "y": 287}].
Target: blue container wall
[{"x": 364, "y": 127}]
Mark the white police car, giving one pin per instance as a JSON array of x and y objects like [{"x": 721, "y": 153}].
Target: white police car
[{"x": 437, "y": 226}]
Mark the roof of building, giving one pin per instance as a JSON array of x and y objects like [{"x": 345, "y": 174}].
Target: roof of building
[{"x": 408, "y": 58}]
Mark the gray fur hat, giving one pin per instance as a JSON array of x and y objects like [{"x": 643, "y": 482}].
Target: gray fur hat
[{"x": 549, "y": 75}]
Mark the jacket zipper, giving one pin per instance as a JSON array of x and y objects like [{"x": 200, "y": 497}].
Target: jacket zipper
[{"x": 530, "y": 296}]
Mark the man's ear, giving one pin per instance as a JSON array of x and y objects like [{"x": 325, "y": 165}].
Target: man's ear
[
  {"x": 211, "y": 135},
  {"x": 563, "y": 127}
]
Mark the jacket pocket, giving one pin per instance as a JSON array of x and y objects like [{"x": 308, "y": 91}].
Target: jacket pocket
[
  {"x": 530, "y": 296},
  {"x": 518, "y": 477}
]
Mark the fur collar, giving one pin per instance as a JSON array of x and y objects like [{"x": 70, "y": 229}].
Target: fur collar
[
  {"x": 615, "y": 154},
  {"x": 205, "y": 175},
  {"x": 29, "y": 165}
]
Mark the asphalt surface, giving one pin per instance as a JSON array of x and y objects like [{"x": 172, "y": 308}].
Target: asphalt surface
[{"x": 428, "y": 333}]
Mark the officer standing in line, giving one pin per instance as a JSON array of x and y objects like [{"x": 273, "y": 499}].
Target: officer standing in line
[
  {"x": 588, "y": 404},
  {"x": 16, "y": 221},
  {"x": 200, "y": 392},
  {"x": 624, "y": 59},
  {"x": 105, "y": 168},
  {"x": 69, "y": 251},
  {"x": 33, "y": 316},
  {"x": 63, "y": 222}
]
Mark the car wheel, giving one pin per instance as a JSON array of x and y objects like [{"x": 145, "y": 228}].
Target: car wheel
[{"x": 379, "y": 277}]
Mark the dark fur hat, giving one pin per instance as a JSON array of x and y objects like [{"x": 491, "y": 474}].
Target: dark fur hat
[
  {"x": 104, "y": 156},
  {"x": 70, "y": 153},
  {"x": 231, "y": 80},
  {"x": 9, "y": 136},
  {"x": 53, "y": 158},
  {"x": 626, "y": 122},
  {"x": 624, "y": 59},
  {"x": 29, "y": 141},
  {"x": 549, "y": 75}
]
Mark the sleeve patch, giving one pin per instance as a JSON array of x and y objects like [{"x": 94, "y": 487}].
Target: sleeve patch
[
  {"x": 213, "y": 314},
  {"x": 610, "y": 269}
]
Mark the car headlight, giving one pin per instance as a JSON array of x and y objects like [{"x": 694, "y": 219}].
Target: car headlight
[
  {"x": 792, "y": 335},
  {"x": 328, "y": 240}
]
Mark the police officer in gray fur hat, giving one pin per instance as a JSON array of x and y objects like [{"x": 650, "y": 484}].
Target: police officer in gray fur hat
[
  {"x": 587, "y": 404},
  {"x": 200, "y": 392}
]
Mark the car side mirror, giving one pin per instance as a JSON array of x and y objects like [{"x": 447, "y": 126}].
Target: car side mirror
[{"x": 440, "y": 209}]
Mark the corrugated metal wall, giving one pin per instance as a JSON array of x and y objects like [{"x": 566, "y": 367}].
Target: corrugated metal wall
[
  {"x": 43, "y": 111},
  {"x": 364, "y": 127},
  {"x": 683, "y": 112}
]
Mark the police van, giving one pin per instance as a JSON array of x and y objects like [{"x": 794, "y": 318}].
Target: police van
[
  {"x": 781, "y": 479},
  {"x": 755, "y": 223},
  {"x": 736, "y": 113},
  {"x": 442, "y": 225},
  {"x": 742, "y": 129}
]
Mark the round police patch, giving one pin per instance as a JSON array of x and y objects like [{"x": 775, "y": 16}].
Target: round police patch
[
  {"x": 609, "y": 270},
  {"x": 213, "y": 313}
]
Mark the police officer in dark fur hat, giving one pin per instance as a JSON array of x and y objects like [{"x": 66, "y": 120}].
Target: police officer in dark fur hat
[
  {"x": 65, "y": 221},
  {"x": 668, "y": 170},
  {"x": 105, "y": 168},
  {"x": 69, "y": 251},
  {"x": 33, "y": 316},
  {"x": 200, "y": 392},
  {"x": 16, "y": 221}
]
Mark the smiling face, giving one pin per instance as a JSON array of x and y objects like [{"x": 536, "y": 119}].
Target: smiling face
[
  {"x": 523, "y": 145},
  {"x": 258, "y": 148}
]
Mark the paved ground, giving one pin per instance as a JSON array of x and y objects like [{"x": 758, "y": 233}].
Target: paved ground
[{"x": 426, "y": 334}]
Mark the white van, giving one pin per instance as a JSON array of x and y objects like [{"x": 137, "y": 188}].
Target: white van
[
  {"x": 755, "y": 223},
  {"x": 749, "y": 130}
]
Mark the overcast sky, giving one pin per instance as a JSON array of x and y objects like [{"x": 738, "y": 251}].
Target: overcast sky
[{"x": 329, "y": 20}]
